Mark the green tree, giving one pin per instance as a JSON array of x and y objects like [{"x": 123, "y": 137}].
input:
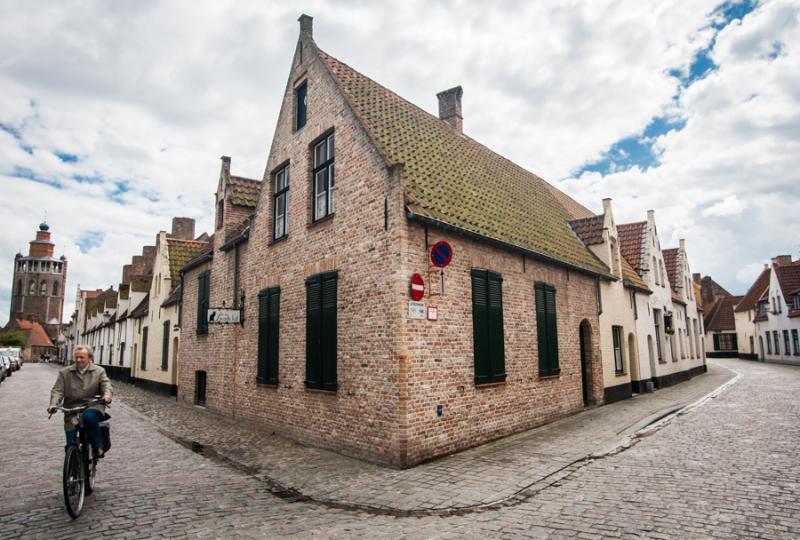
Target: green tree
[{"x": 12, "y": 339}]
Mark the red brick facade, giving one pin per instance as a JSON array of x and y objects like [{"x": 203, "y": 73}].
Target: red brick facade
[{"x": 393, "y": 372}]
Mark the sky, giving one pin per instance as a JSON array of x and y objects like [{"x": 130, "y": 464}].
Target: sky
[{"x": 113, "y": 115}]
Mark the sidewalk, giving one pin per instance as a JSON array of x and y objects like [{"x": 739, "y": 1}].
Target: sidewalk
[{"x": 494, "y": 474}]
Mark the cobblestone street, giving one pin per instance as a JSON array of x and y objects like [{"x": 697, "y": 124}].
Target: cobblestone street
[{"x": 725, "y": 467}]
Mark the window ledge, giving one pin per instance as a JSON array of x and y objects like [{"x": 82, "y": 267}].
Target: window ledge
[
  {"x": 550, "y": 375},
  {"x": 490, "y": 384},
  {"x": 267, "y": 385},
  {"x": 620, "y": 373},
  {"x": 321, "y": 391},
  {"x": 278, "y": 240},
  {"x": 329, "y": 217},
  {"x": 660, "y": 361}
]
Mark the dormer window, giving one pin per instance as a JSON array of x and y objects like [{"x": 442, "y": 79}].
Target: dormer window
[
  {"x": 762, "y": 308},
  {"x": 796, "y": 302},
  {"x": 300, "y": 103}
]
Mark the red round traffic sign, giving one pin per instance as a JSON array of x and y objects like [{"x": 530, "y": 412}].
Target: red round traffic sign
[
  {"x": 441, "y": 254},
  {"x": 417, "y": 287}
]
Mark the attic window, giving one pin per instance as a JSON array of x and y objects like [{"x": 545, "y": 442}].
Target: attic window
[
  {"x": 300, "y": 102},
  {"x": 796, "y": 303},
  {"x": 323, "y": 178}
]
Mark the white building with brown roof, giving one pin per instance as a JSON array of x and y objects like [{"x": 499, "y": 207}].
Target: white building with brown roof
[
  {"x": 620, "y": 304},
  {"x": 157, "y": 333},
  {"x": 669, "y": 329}
]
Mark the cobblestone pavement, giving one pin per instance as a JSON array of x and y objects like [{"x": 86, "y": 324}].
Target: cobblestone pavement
[
  {"x": 485, "y": 475},
  {"x": 728, "y": 468}
]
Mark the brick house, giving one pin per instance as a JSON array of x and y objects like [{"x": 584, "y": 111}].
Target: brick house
[
  {"x": 210, "y": 352},
  {"x": 621, "y": 303},
  {"x": 332, "y": 351}
]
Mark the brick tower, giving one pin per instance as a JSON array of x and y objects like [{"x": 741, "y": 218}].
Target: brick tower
[{"x": 38, "y": 284}]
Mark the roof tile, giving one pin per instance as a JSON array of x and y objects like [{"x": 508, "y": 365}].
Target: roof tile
[{"x": 632, "y": 243}]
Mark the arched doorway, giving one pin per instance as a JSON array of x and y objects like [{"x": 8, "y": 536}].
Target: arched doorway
[{"x": 585, "y": 333}]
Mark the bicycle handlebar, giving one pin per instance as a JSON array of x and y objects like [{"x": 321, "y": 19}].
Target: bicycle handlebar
[{"x": 80, "y": 408}]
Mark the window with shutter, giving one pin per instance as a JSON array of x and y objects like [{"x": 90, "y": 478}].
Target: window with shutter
[
  {"x": 546, "y": 328},
  {"x": 165, "y": 347},
  {"x": 144, "y": 348},
  {"x": 321, "y": 337},
  {"x": 616, "y": 332},
  {"x": 487, "y": 326},
  {"x": 300, "y": 104},
  {"x": 202, "y": 302},
  {"x": 268, "y": 335}
]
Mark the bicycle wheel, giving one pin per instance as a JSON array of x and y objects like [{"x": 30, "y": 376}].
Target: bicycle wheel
[
  {"x": 73, "y": 482},
  {"x": 90, "y": 468}
]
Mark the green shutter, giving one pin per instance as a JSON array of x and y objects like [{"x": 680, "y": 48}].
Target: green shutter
[
  {"x": 263, "y": 335},
  {"x": 144, "y": 348},
  {"x": 313, "y": 327},
  {"x": 541, "y": 326},
  {"x": 202, "y": 302},
  {"x": 495, "y": 310},
  {"x": 328, "y": 344},
  {"x": 480, "y": 326},
  {"x": 274, "y": 295},
  {"x": 716, "y": 342},
  {"x": 552, "y": 329},
  {"x": 165, "y": 347}
]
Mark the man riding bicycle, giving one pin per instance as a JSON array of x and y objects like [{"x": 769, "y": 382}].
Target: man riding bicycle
[{"x": 77, "y": 385}]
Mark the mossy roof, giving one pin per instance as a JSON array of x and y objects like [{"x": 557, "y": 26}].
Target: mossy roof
[
  {"x": 180, "y": 253},
  {"x": 244, "y": 191},
  {"x": 451, "y": 179}
]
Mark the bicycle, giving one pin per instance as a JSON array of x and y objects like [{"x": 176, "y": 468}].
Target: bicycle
[{"x": 80, "y": 466}]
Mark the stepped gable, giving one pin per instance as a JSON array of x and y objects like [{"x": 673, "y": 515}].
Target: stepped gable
[
  {"x": 181, "y": 252},
  {"x": 754, "y": 294},
  {"x": 720, "y": 317},
  {"x": 244, "y": 191},
  {"x": 632, "y": 243},
  {"x": 671, "y": 265},
  {"x": 589, "y": 229},
  {"x": 453, "y": 181}
]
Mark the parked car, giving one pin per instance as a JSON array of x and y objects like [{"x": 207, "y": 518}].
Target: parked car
[
  {"x": 3, "y": 368},
  {"x": 9, "y": 367},
  {"x": 15, "y": 363}
]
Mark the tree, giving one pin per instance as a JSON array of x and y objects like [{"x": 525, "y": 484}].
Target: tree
[{"x": 12, "y": 339}]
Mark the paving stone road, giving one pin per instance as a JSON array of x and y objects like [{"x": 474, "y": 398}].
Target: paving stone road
[{"x": 728, "y": 468}]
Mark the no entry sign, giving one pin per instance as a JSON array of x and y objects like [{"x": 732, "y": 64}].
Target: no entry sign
[
  {"x": 417, "y": 287},
  {"x": 441, "y": 254}
]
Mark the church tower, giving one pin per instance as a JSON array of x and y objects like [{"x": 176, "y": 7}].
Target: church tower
[{"x": 38, "y": 285}]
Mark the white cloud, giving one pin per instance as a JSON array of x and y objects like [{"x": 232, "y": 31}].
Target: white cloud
[{"x": 152, "y": 93}]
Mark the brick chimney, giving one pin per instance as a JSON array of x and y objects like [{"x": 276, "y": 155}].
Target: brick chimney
[
  {"x": 183, "y": 228},
  {"x": 782, "y": 260},
  {"x": 126, "y": 273},
  {"x": 450, "y": 107},
  {"x": 306, "y": 25}
]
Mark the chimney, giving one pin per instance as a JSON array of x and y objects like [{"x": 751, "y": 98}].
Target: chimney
[
  {"x": 696, "y": 277},
  {"x": 682, "y": 244},
  {"x": 126, "y": 273},
  {"x": 782, "y": 260},
  {"x": 183, "y": 228},
  {"x": 306, "y": 25},
  {"x": 450, "y": 108},
  {"x": 226, "y": 165}
]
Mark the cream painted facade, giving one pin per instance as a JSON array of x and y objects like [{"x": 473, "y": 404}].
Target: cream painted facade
[
  {"x": 776, "y": 335},
  {"x": 158, "y": 368},
  {"x": 669, "y": 331}
]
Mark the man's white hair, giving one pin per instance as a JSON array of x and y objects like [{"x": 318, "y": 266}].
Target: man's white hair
[{"x": 87, "y": 348}]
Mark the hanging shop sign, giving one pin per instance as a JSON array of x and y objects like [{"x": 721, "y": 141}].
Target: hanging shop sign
[{"x": 224, "y": 316}]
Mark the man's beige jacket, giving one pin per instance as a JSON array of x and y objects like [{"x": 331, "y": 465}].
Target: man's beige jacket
[{"x": 76, "y": 389}]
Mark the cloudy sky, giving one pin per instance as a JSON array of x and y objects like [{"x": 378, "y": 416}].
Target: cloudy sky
[{"x": 113, "y": 115}]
